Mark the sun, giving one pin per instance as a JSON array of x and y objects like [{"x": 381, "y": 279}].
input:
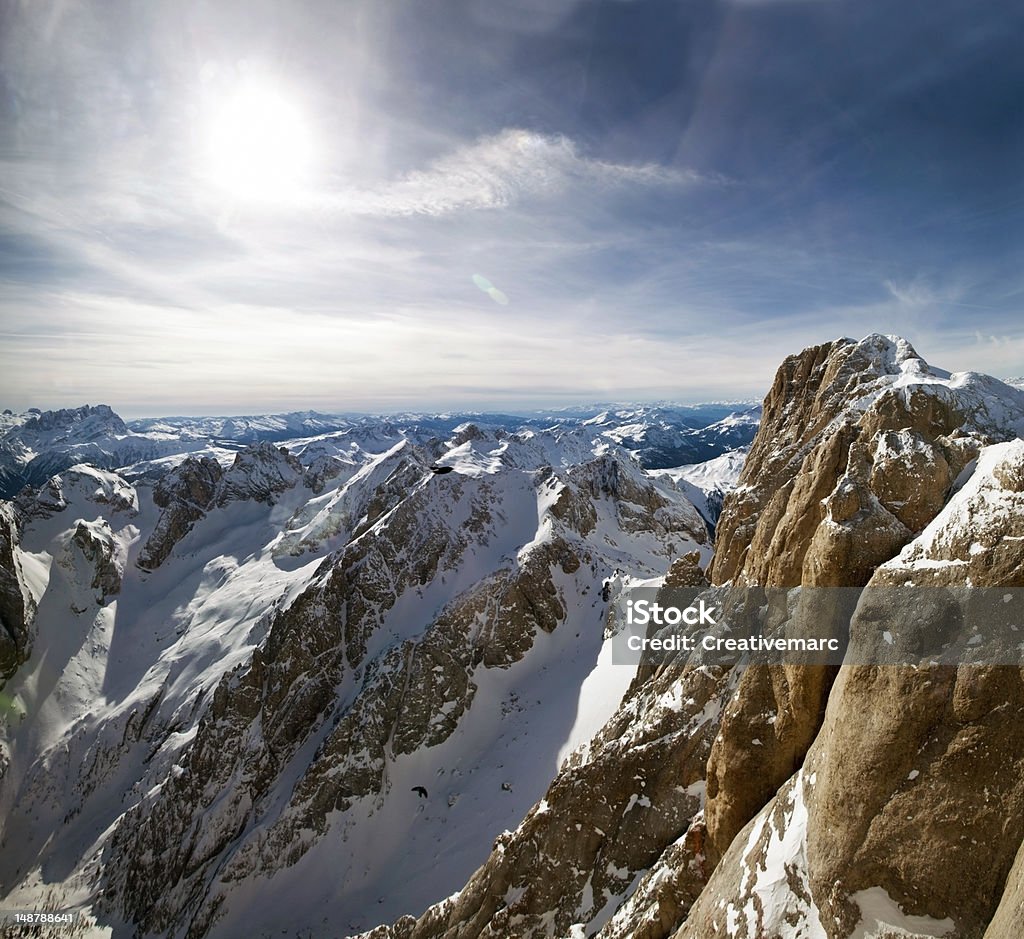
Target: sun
[{"x": 255, "y": 142}]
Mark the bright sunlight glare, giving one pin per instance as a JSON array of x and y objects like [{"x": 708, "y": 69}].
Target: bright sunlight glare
[{"x": 256, "y": 144}]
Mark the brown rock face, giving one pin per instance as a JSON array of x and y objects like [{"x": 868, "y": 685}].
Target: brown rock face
[
  {"x": 822, "y": 401},
  {"x": 938, "y": 752},
  {"x": 794, "y": 413},
  {"x": 857, "y": 453},
  {"x": 1008, "y": 921},
  {"x": 911, "y": 797}
]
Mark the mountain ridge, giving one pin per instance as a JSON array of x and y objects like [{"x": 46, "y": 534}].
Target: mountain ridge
[{"x": 257, "y": 655}]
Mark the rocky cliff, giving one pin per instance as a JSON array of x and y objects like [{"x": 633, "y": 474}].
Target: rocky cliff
[
  {"x": 806, "y": 800},
  {"x": 17, "y": 607}
]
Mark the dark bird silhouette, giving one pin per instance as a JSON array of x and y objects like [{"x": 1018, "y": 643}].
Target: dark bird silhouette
[
  {"x": 420, "y": 791},
  {"x": 441, "y": 470}
]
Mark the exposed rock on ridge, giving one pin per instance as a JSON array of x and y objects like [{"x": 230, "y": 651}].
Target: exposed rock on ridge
[
  {"x": 260, "y": 472},
  {"x": 861, "y": 445},
  {"x": 332, "y": 697},
  {"x": 17, "y": 608},
  {"x": 912, "y": 794}
]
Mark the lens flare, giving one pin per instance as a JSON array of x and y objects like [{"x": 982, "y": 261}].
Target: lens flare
[{"x": 498, "y": 296}]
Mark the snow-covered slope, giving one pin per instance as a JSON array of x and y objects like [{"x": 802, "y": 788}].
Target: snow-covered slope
[
  {"x": 241, "y": 669},
  {"x": 706, "y": 484}
]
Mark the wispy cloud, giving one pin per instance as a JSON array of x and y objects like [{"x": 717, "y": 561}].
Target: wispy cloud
[{"x": 499, "y": 171}]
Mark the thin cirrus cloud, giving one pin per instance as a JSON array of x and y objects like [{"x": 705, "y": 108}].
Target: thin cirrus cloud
[{"x": 498, "y": 171}]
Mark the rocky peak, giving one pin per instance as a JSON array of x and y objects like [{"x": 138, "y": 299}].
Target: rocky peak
[
  {"x": 191, "y": 482},
  {"x": 84, "y": 423},
  {"x": 322, "y": 469},
  {"x": 260, "y": 472},
  {"x": 469, "y": 431},
  {"x": 186, "y": 493},
  {"x": 100, "y": 487},
  {"x": 861, "y": 446},
  {"x": 916, "y": 429}
]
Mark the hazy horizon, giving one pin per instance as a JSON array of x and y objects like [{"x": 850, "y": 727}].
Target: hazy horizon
[{"x": 527, "y": 412}]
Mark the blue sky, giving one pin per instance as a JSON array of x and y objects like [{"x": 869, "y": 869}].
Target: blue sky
[{"x": 241, "y": 207}]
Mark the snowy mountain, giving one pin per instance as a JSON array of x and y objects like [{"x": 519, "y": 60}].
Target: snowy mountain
[
  {"x": 36, "y": 445},
  {"x": 361, "y": 680},
  {"x": 706, "y": 484},
  {"x": 661, "y": 437},
  {"x": 229, "y": 673}
]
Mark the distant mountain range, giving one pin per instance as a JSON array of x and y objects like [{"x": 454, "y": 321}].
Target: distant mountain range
[{"x": 37, "y": 444}]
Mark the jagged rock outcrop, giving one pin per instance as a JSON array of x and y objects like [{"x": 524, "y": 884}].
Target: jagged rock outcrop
[
  {"x": 916, "y": 430},
  {"x": 85, "y": 423},
  {"x": 321, "y": 470},
  {"x": 666, "y": 892},
  {"x": 261, "y": 473},
  {"x": 95, "y": 541},
  {"x": 17, "y": 608},
  {"x": 860, "y": 447},
  {"x": 184, "y": 494},
  {"x": 638, "y": 507},
  {"x": 190, "y": 490},
  {"x": 686, "y": 572},
  {"x": 107, "y": 490},
  {"x": 369, "y": 494},
  {"x": 910, "y": 799}
]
